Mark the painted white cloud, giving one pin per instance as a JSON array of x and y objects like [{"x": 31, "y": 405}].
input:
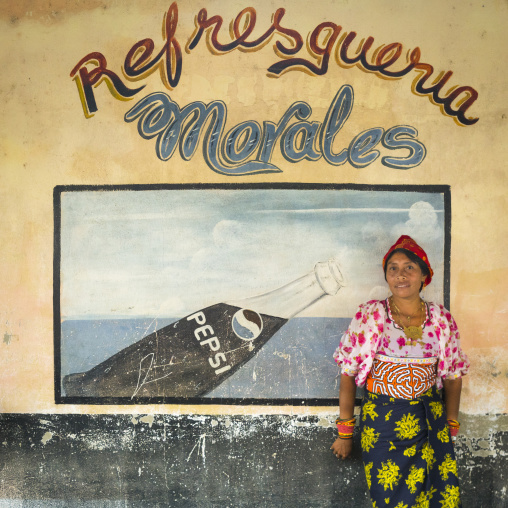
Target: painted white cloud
[
  {"x": 229, "y": 234},
  {"x": 422, "y": 224}
]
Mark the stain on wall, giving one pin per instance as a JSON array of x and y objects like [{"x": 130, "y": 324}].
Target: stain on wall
[{"x": 47, "y": 12}]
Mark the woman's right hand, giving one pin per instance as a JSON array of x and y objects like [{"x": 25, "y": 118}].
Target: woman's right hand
[{"x": 342, "y": 448}]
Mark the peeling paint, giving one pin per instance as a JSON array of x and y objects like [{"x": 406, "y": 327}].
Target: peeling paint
[
  {"x": 323, "y": 422},
  {"x": 147, "y": 419},
  {"x": 224, "y": 451},
  {"x": 199, "y": 460},
  {"x": 285, "y": 356},
  {"x": 47, "y": 437}
]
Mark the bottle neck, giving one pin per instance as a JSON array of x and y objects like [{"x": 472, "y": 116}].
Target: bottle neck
[{"x": 291, "y": 299}]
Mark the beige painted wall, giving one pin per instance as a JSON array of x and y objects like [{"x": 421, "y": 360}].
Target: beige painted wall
[{"x": 46, "y": 140}]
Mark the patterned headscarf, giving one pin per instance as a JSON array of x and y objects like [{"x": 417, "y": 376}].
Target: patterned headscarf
[{"x": 407, "y": 243}]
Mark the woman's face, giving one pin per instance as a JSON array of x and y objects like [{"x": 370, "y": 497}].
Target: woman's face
[{"x": 404, "y": 276}]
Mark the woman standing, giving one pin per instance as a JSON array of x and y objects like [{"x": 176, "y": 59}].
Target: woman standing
[{"x": 403, "y": 350}]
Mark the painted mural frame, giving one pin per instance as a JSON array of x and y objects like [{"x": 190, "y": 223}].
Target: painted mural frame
[{"x": 441, "y": 192}]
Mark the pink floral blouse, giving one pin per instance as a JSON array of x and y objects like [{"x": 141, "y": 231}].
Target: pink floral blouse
[{"x": 373, "y": 331}]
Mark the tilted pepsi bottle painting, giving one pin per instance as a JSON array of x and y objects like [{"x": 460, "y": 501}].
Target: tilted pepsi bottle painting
[{"x": 194, "y": 355}]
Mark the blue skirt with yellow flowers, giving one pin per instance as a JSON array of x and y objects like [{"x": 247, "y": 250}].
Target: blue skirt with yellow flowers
[{"x": 407, "y": 452}]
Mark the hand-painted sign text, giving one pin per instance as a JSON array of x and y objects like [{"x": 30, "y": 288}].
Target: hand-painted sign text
[{"x": 233, "y": 153}]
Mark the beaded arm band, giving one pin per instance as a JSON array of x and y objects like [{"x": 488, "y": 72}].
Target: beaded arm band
[
  {"x": 454, "y": 426},
  {"x": 345, "y": 427}
]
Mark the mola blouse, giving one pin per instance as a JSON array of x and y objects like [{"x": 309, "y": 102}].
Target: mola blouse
[{"x": 373, "y": 331}]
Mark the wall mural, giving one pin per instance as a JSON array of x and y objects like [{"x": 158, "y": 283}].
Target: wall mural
[
  {"x": 237, "y": 294},
  {"x": 196, "y": 196}
]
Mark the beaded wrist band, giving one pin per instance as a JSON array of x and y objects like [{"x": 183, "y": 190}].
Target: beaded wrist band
[
  {"x": 345, "y": 427},
  {"x": 454, "y": 426}
]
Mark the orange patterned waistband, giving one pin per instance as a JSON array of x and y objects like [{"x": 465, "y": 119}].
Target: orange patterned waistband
[{"x": 406, "y": 379}]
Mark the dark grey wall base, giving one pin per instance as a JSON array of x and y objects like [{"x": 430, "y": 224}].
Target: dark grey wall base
[{"x": 211, "y": 461}]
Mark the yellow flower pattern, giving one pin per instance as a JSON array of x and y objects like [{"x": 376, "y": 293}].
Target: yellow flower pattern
[
  {"x": 389, "y": 475},
  {"x": 443, "y": 436},
  {"x": 416, "y": 474},
  {"x": 428, "y": 455},
  {"x": 408, "y": 426},
  {"x": 401, "y": 505},
  {"x": 387, "y": 415},
  {"x": 423, "y": 500},
  {"x": 369, "y": 438},
  {"x": 451, "y": 497},
  {"x": 411, "y": 451},
  {"x": 368, "y": 468},
  {"x": 437, "y": 409},
  {"x": 368, "y": 410},
  {"x": 448, "y": 466}
]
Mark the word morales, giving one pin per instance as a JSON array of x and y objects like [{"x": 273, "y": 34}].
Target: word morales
[
  {"x": 326, "y": 43},
  {"x": 231, "y": 153}
]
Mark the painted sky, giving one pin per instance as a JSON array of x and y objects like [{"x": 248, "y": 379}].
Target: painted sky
[{"x": 167, "y": 253}]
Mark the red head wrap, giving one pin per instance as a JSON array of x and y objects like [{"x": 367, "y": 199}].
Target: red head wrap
[{"x": 407, "y": 243}]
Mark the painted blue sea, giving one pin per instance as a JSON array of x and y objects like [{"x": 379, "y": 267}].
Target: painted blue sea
[{"x": 296, "y": 363}]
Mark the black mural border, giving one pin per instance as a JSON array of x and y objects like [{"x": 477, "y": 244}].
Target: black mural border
[{"x": 59, "y": 189}]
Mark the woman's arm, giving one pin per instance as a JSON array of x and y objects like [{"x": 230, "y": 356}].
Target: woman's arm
[
  {"x": 452, "y": 389},
  {"x": 347, "y": 392},
  {"x": 342, "y": 447}
]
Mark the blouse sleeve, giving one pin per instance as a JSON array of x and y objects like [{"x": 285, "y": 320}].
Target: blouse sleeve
[
  {"x": 357, "y": 346},
  {"x": 453, "y": 362}
]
